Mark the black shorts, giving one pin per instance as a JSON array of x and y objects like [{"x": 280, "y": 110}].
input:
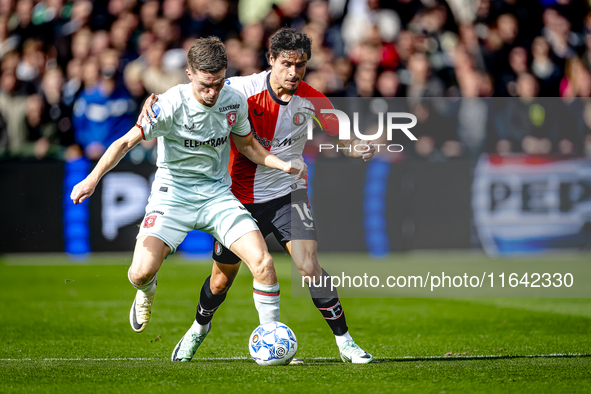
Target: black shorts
[{"x": 288, "y": 218}]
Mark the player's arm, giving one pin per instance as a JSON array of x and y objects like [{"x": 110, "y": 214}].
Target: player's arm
[
  {"x": 255, "y": 152},
  {"x": 110, "y": 158},
  {"x": 356, "y": 148}
]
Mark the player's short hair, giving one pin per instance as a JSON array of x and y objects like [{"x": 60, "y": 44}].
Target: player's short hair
[
  {"x": 288, "y": 40},
  {"x": 207, "y": 55}
]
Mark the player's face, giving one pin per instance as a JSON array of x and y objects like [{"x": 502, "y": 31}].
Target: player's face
[
  {"x": 207, "y": 86},
  {"x": 289, "y": 69}
]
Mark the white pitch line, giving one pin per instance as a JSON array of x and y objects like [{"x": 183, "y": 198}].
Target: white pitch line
[{"x": 403, "y": 358}]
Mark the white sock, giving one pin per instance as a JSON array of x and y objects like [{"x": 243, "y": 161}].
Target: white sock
[
  {"x": 343, "y": 338},
  {"x": 149, "y": 288},
  {"x": 266, "y": 300},
  {"x": 201, "y": 329}
]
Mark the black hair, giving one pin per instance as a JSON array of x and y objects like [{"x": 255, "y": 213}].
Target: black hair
[{"x": 288, "y": 39}]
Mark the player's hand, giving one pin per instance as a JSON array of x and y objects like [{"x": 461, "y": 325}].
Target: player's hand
[
  {"x": 296, "y": 166},
  {"x": 147, "y": 111},
  {"x": 366, "y": 150},
  {"x": 82, "y": 191}
]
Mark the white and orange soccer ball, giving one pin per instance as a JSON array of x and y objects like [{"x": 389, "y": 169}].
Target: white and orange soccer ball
[{"x": 272, "y": 344}]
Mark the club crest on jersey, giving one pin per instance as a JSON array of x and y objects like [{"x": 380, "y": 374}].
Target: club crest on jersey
[
  {"x": 150, "y": 221},
  {"x": 299, "y": 118},
  {"x": 232, "y": 116},
  {"x": 217, "y": 248}
]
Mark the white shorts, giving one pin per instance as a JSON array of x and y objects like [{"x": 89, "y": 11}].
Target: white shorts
[{"x": 174, "y": 209}]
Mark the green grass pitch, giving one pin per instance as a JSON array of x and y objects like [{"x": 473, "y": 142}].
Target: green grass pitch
[{"x": 64, "y": 328}]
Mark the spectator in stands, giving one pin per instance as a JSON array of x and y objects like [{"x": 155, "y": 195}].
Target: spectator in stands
[
  {"x": 233, "y": 50},
  {"x": 422, "y": 82},
  {"x": 13, "y": 107},
  {"x": 32, "y": 65},
  {"x": 193, "y": 22},
  {"x": 544, "y": 68},
  {"x": 557, "y": 32},
  {"x": 364, "y": 81},
  {"x": 388, "y": 84},
  {"x": 155, "y": 76},
  {"x": 103, "y": 112},
  {"x": 149, "y": 14},
  {"x": 7, "y": 42},
  {"x": 57, "y": 134},
  {"x": 529, "y": 125},
  {"x": 81, "y": 44},
  {"x": 220, "y": 22},
  {"x": 393, "y": 48},
  {"x": 73, "y": 85},
  {"x": 517, "y": 65},
  {"x": 472, "y": 114}
]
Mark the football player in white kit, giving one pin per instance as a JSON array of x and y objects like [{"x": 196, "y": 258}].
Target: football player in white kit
[
  {"x": 195, "y": 123},
  {"x": 280, "y": 103}
]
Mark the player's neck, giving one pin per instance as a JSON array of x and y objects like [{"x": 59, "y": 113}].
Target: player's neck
[{"x": 282, "y": 93}]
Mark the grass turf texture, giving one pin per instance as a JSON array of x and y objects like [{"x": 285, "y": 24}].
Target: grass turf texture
[{"x": 57, "y": 310}]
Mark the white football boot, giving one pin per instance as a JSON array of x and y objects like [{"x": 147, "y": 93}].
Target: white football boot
[
  {"x": 141, "y": 310},
  {"x": 352, "y": 353},
  {"x": 189, "y": 343}
]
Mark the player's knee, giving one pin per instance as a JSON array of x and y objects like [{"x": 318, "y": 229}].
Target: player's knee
[
  {"x": 219, "y": 284},
  {"x": 309, "y": 267},
  {"x": 140, "y": 275},
  {"x": 264, "y": 267}
]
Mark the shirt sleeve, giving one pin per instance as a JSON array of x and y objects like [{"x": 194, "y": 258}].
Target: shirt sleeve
[
  {"x": 328, "y": 122},
  {"x": 248, "y": 85},
  {"x": 162, "y": 123},
  {"x": 242, "y": 126}
]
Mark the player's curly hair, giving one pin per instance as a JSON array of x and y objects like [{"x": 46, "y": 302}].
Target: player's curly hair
[
  {"x": 288, "y": 39},
  {"x": 208, "y": 55}
]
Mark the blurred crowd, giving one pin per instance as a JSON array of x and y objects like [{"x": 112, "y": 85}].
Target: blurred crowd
[{"x": 478, "y": 74}]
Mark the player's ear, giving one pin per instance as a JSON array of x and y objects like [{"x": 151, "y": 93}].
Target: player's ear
[{"x": 189, "y": 74}]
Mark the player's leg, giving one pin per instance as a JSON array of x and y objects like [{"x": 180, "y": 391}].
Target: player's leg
[
  {"x": 233, "y": 225},
  {"x": 213, "y": 293},
  {"x": 228, "y": 221},
  {"x": 295, "y": 229},
  {"x": 304, "y": 256},
  {"x": 225, "y": 268},
  {"x": 148, "y": 256},
  {"x": 214, "y": 290},
  {"x": 252, "y": 249},
  {"x": 167, "y": 221}
]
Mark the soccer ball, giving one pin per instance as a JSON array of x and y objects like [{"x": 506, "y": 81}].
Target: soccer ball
[{"x": 272, "y": 344}]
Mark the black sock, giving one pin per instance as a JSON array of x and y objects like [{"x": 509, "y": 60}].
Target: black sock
[
  {"x": 208, "y": 303},
  {"x": 327, "y": 302}
]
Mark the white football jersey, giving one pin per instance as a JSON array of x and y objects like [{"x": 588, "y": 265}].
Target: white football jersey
[{"x": 194, "y": 140}]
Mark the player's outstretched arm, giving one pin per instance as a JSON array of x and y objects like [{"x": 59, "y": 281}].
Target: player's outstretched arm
[
  {"x": 147, "y": 111},
  {"x": 255, "y": 152},
  {"x": 358, "y": 148},
  {"x": 110, "y": 158}
]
